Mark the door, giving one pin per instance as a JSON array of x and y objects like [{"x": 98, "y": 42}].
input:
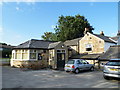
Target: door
[
  {"x": 86, "y": 65},
  {"x": 81, "y": 65},
  {"x": 60, "y": 60}
]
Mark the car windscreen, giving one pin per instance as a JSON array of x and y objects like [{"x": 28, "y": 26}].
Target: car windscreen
[
  {"x": 70, "y": 62},
  {"x": 113, "y": 63}
]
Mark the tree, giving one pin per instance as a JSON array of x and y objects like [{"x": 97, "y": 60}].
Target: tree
[
  {"x": 68, "y": 27},
  {"x": 49, "y": 36},
  {"x": 71, "y": 27}
]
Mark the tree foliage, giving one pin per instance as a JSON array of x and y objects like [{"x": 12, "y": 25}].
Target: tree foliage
[
  {"x": 69, "y": 27},
  {"x": 49, "y": 36}
]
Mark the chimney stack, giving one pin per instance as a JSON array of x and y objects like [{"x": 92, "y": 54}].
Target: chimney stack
[
  {"x": 118, "y": 34},
  {"x": 86, "y": 30},
  {"x": 102, "y": 33}
]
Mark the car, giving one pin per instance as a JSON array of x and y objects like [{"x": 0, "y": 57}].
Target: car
[
  {"x": 111, "y": 69},
  {"x": 77, "y": 65}
]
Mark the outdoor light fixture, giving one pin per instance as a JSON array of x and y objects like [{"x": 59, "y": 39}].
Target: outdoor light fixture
[{"x": 62, "y": 46}]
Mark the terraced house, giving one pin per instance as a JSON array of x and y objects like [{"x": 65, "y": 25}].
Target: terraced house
[{"x": 40, "y": 53}]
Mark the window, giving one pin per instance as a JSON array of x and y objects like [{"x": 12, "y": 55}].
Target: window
[
  {"x": 63, "y": 51},
  {"x": 18, "y": 54},
  {"x": 39, "y": 56},
  {"x": 32, "y": 54},
  {"x": 24, "y": 54},
  {"x": 63, "y": 56},
  {"x": 13, "y": 56},
  {"x": 88, "y": 47},
  {"x": 34, "y": 51},
  {"x": 44, "y": 51},
  {"x": 60, "y": 51},
  {"x": 78, "y": 62},
  {"x": 113, "y": 63},
  {"x": 70, "y": 62},
  {"x": 50, "y": 56},
  {"x": 83, "y": 61}
]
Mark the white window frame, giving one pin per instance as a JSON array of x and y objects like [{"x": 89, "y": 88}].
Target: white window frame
[
  {"x": 61, "y": 51},
  {"x": 30, "y": 54},
  {"x": 89, "y": 45}
]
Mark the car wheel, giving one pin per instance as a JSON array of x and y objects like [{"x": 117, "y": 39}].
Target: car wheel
[
  {"x": 77, "y": 71},
  {"x": 107, "y": 78},
  {"x": 92, "y": 69}
]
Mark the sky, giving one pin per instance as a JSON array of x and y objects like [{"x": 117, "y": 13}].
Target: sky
[{"x": 22, "y": 21}]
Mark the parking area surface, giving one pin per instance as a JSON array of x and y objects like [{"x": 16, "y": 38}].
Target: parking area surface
[{"x": 17, "y": 78}]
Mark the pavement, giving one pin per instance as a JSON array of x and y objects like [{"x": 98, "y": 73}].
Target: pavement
[{"x": 23, "y": 78}]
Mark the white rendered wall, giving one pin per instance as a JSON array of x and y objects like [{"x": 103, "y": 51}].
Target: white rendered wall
[{"x": 107, "y": 45}]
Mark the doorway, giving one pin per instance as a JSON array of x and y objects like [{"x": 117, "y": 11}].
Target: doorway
[{"x": 60, "y": 59}]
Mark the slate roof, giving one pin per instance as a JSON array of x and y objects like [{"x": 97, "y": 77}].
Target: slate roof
[
  {"x": 112, "y": 53},
  {"x": 72, "y": 42},
  {"x": 105, "y": 38},
  {"x": 53, "y": 45},
  {"x": 86, "y": 56},
  {"x": 33, "y": 43},
  {"x": 115, "y": 38}
]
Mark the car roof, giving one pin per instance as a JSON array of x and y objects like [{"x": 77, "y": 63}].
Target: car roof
[
  {"x": 114, "y": 60},
  {"x": 75, "y": 59}
]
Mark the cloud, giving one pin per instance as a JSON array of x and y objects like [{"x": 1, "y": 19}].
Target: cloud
[
  {"x": 17, "y": 8},
  {"x": 1, "y": 3}
]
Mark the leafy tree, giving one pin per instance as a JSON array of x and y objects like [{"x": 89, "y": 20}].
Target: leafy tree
[
  {"x": 70, "y": 27},
  {"x": 49, "y": 36}
]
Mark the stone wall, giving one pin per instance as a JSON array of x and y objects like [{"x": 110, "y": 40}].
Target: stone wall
[
  {"x": 97, "y": 44},
  {"x": 30, "y": 64},
  {"x": 74, "y": 49}
]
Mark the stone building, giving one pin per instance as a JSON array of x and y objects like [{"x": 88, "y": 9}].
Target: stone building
[
  {"x": 58, "y": 54},
  {"x": 92, "y": 46},
  {"x": 95, "y": 44},
  {"x": 39, "y": 54},
  {"x": 73, "y": 46}
]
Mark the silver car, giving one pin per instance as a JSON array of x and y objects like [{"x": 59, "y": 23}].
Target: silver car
[
  {"x": 77, "y": 65},
  {"x": 111, "y": 69}
]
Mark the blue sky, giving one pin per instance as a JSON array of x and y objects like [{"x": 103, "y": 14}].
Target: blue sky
[{"x": 24, "y": 21}]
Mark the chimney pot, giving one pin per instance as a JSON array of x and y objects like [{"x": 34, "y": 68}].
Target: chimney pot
[{"x": 102, "y": 33}]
